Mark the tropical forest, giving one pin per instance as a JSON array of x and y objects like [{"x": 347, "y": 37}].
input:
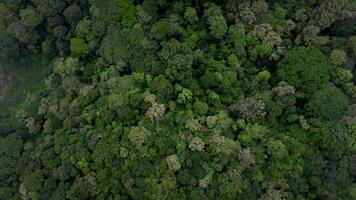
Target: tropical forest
[{"x": 177, "y": 99}]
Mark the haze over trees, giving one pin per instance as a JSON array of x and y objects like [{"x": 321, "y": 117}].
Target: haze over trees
[{"x": 183, "y": 99}]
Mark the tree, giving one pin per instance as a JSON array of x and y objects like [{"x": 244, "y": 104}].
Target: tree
[
  {"x": 33, "y": 181},
  {"x": 196, "y": 144},
  {"x": 156, "y": 111},
  {"x": 310, "y": 35},
  {"x": 178, "y": 58},
  {"x": 185, "y": 96},
  {"x": 263, "y": 76},
  {"x": 342, "y": 76},
  {"x": 210, "y": 80},
  {"x": 338, "y": 57},
  {"x": 82, "y": 188},
  {"x": 126, "y": 9},
  {"x": 249, "y": 108},
  {"x": 23, "y": 34},
  {"x": 9, "y": 47},
  {"x": 129, "y": 46},
  {"x": 220, "y": 121},
  {"x": 120, "y": 104},
  {"x": 162, "y": 86},
  {"x": 10, "y": 151},
  {"x": 191, "y": 15},
  {"x": 248, "y": 12},
  {"x": 216, "y": 21},
  {"x": 237, "y": 36},
  {"x": 165, "y": 28},
  {"x": 328, "y": 12},
  {"x": 230, "y": 184},
  {"x": 139, "y": 136},
  {"x": 222, "y": 145},
  {"x": 72, "y": 14},
  {"x": 201, "y": 108},
  {"x": 328, "y": 103},
  {"x": 7, "y": 14},
  {"x": 269, "y": 42},
  {"x": 283, "y": 100},
  {"x": 60, "y": 32},
  {"x": 30, "y": 17},
  {"x": 305, "y": 68},
  {"x": 66, "y": 67},
  {"x": 49, "y": 8},
  {"x": 173, "y": 162},
  {"x": 193, "y": 125},
  {"x": 270, "y": 194},
  {"x": 106, "y": 12},
  {"x": 79, "y": 47}
]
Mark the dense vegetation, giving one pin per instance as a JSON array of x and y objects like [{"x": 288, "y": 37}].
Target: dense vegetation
[{"x": 185, "y": 99}]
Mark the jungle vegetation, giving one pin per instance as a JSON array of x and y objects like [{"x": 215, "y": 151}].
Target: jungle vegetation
[{"x": 178, "y": 99}]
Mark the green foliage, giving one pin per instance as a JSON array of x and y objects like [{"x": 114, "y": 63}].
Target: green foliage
[
  {"x": 34, "y": 180},
  {"x": 249, "y": 108},
  {"x": 10, "y": 151},
  {"x": 30, "y": 17},
  {"x": 201, "y": 108},
  {"x": 162, "y": 86},
  {"x": 305, "y": 68},
  {"x": 261, "y": 50},
  {"x": 126, "y": 9},
  {"x": 129, "y": 46},
  {"x": 216, "y": 21},
  {"x": 338, "y": 57},
  {"x": 327, "y": 103},
  {"x": 185, "y": 96},
  {"x": 8, "y": 46},
  {"x": 165, "y": 28},
  {"x": 178, "y": 58},
  {"x": 79, "y": 47},
  {"x": 173, "y": 162},
  {"x": 237, "y": 35},
  {"x": 49, "y": 7},
  {"x": 24, "y": 90},
  {"x": 126, "y": 99},
  {"x": 106, "y": 11},
  {"x": 72, "y": 14},
  {"x": 138, "y": 136},
  {"x": 263, "y": 76},
  {"x": 191, "y": 15}
]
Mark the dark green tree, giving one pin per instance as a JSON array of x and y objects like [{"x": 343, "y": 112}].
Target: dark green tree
[
  {"x": 129, "y": 46},
  {"x": 328, "y": 103},
  {"x": 305, "y": 68}
]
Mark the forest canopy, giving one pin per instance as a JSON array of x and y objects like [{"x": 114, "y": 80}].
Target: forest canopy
[{"x": 177, "y": 99}]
